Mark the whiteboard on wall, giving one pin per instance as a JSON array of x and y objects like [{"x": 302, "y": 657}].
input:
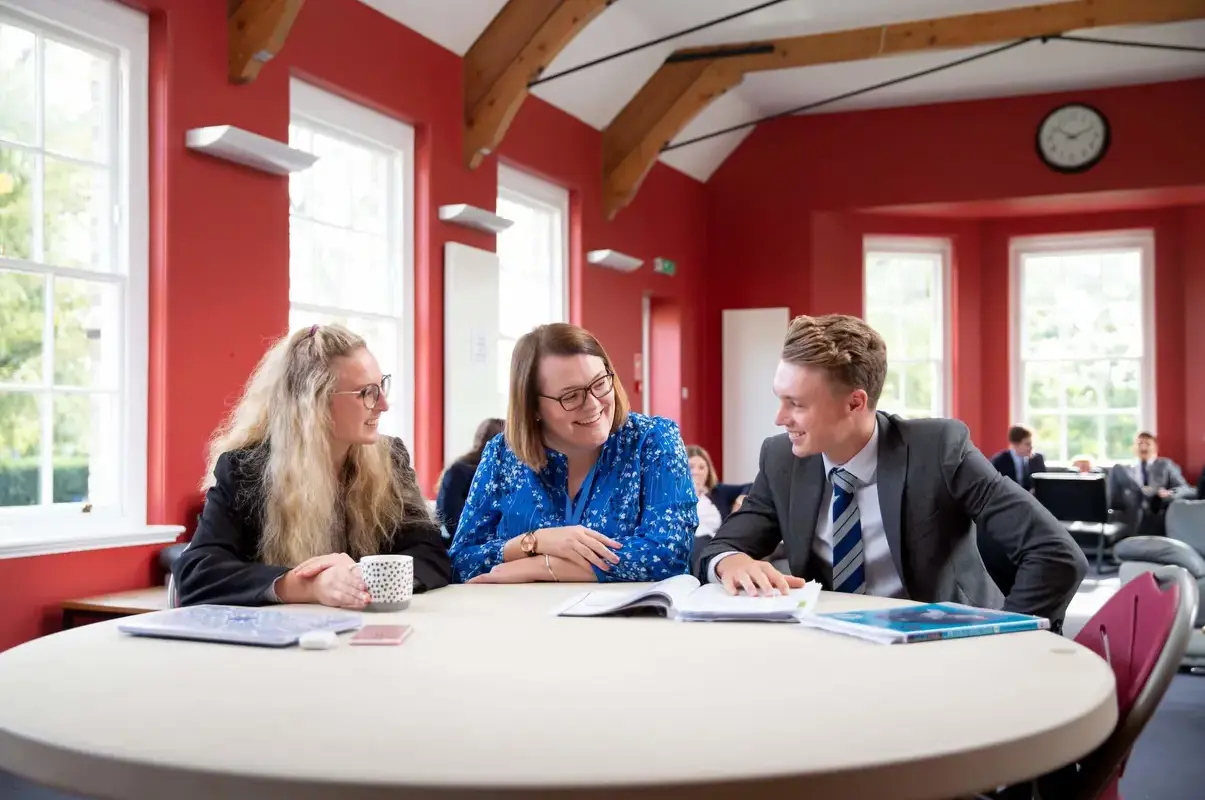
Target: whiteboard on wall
[
  {"x": 751, "y": 350},
  {"x": 470, "y": 345}
]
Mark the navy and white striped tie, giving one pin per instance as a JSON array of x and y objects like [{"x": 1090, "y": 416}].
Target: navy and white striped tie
[{"x": 849, "y": 564}]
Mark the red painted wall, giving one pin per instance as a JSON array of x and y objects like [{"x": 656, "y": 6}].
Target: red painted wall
[
  {"x": 788, "y": 210},
  {"x": 219, "y": 282}
]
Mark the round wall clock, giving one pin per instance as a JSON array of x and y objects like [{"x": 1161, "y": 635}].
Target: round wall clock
[{"x": 1073, "y": 138}]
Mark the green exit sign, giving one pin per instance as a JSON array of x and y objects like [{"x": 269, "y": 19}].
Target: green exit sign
[{"x": 665, "y": 266}]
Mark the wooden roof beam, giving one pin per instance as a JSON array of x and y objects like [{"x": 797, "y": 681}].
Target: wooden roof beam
[
  {"x": 519, "y": 44},
  {"x": 256, "y": 30},
  {"x": 632, "y": 142}
]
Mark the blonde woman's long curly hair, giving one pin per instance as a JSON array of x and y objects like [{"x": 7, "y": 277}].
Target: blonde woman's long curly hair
[{"x": 282, "y": 420}]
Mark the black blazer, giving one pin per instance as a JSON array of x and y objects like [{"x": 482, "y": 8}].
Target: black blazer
[
  {"x": 932, "y": 484},
  {"x": 1004, "y": 464},
  {"x": 221, "y": 564},
  {"x": 453, "y": 492}
]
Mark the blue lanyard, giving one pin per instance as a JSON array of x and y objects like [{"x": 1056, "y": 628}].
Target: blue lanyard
[{"x": 574, "y": 511}]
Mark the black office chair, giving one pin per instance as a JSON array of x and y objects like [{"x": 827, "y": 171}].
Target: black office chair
[{"x": 1081, "y": 502}]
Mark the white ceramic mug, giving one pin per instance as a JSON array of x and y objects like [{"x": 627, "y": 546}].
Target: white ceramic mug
[{"x": 390, "y": 581}]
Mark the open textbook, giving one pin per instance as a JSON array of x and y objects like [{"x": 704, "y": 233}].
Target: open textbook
[
  {"x": 922, "y": 623},
  {"x": 683, "y": 598}
]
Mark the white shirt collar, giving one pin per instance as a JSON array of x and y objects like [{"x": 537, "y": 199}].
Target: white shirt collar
[{"x": 865, "y": 464}]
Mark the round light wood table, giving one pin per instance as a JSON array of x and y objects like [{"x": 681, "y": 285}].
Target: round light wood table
[{"x": 492, "y": 696}]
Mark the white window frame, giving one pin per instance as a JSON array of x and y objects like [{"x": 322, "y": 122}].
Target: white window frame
[
  {"x": 112, "y": 28},
  {"x": 323, "y": 110},
  {"x": 925, "y": 246},
  {"x": 1144, "y": 242},
  {"x": 526, "y": 189}
]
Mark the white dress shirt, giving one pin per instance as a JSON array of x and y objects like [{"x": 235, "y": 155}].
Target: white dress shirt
[
  {"x": 882, "y": 579},
  {"x": 709, "y": 517}
]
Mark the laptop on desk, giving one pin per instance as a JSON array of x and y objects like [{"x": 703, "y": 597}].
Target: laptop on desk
[{"x": 263, "y": 627}]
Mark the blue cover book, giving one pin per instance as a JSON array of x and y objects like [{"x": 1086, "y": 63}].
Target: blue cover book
[{"x": 923, "y": 623}]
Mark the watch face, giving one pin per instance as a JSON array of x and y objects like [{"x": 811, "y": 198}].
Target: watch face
[{"x": 1072, "y": 138}]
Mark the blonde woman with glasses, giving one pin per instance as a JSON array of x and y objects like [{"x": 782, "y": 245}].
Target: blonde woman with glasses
[
  {"x": 300, "y": 485},
  {"x": 580, "y": 488}
]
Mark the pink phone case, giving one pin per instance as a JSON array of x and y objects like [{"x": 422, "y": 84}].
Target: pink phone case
[{"x": 381, "y": 634}]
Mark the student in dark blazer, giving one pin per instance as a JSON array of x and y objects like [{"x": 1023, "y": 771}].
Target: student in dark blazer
[
  {"x": 869, "y": 503},
  {"x": 1019, "y": 462},
  {"x": 458, "y": 477},
  {"x": 301, "y": 485}
]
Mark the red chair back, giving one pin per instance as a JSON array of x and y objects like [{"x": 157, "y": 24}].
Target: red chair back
[{"x": 1130, "y": 633}]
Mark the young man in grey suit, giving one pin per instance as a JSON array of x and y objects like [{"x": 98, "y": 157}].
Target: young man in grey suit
[
  {"x": 868, "y": 502},
  {"x": 1140, "y": 491}
]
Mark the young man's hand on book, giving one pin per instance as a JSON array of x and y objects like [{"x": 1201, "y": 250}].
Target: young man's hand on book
[{"x": 739, "y": 571}]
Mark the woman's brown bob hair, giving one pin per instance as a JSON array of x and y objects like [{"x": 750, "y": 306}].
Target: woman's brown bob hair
[{"x": 523, "y": 431}]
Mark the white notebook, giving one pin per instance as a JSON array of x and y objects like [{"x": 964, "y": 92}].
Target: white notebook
[{"x": 683, "y": 598}]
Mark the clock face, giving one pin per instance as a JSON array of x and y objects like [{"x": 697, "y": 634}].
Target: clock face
[{"x": 1072, "y": 138}]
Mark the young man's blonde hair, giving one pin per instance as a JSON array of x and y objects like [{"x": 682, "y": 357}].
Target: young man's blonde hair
[
  {"x": 523, "y": 430},
  {"x": 852, "y": 353}
]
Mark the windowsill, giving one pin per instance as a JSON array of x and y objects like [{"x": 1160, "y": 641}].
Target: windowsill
[{"x": 41, "y": 538}]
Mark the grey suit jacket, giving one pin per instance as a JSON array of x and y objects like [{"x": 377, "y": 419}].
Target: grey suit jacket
[
  {"x": 932, "y": 484},
  {"x": 1125, "y": 491}
]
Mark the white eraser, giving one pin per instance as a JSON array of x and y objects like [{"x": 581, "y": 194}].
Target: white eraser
[{"x": 318, "y": 640}]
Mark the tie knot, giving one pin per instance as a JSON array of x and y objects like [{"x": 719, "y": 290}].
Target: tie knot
[{"x": 845, "y": 480}]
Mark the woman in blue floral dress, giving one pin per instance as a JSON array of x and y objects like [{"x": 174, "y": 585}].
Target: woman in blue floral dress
[{"x": 578, "y": 488}]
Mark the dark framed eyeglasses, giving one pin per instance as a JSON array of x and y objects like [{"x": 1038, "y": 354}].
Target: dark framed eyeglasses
[
  {"x": 371, "y": 394},
  {"x": 574, "y": 399}
]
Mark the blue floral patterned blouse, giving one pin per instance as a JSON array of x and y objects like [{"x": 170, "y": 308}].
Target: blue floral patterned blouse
[{"x": 639, "y": 493}]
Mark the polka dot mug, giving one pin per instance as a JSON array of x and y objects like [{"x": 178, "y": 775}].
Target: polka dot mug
[{"x": 390, "y": 581}]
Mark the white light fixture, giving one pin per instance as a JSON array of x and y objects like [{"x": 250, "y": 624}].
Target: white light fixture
[
  {"x": 473, "y": 217},
  {"x": 614, "y": 259},
  {"x": 249, "y": 149}
]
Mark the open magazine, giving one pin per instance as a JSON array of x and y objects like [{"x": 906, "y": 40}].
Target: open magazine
[
  {"x": 684, "y": 598},
  {"x": 922, "y": 623}
]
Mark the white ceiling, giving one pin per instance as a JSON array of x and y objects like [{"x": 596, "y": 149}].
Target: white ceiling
[{"x": 597, "y": 94}]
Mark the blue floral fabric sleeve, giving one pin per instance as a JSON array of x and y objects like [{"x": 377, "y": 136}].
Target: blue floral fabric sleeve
[
  {"x": 660, "y": 545},
  {"x": 477, "y": 547}
]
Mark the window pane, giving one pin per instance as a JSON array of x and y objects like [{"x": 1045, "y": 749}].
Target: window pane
[
  {"x": 1120, "y": 430},
  {"x": 338, "y": 267},
  {"x": 16, "y": 204},
  {"x": 1083, "y": 312},
  {"x": 918, "y": 387},
  {"x": 1040, "y": 331},
  {"x": 1048, "y": 435},
  {"x": 1083, "y": 383},
  {"x": 77, "y": 215},
  {"x": 904, "y": 300},
  {"x": 922, "y": 334},
  {"x": 17, "y": 85},
  {"x": 87, "y": 333},
  {"x": 1084, "y": 434},
  {"x": 370, "y": 190},
  {"x": 1121, "y": 274},
  {"x": 892, "y": 388},
  {"x": 1042, "y": 384},
  {"x": 77, "y": 100},
  {"x": 20, "y": 445},
  {"x": 85, "y": 449},
  {"x": 23, "y": 313},
  {"x": 1116, "y": 325},
  {"x": 331, "y": 198},
  {"x": 531, "y": 270},
  {"x": 1124, "y": 384}
]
